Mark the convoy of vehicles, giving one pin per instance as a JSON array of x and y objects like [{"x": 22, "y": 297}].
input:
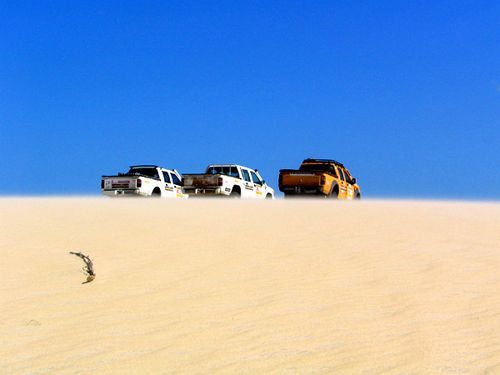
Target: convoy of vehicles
[
  {"x": 315, "y": 177},
  {"x": 322, "y": 177},
  {"x": 144, "y": 180},
  {"x": 228, "y": 180}
]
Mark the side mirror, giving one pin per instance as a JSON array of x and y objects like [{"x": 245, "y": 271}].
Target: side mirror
[
  {"x": 353, "y": 181},
  {"x": 263, "y": 182}
]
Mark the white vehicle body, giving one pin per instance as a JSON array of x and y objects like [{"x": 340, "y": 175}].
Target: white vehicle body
[
  {"x": 146, "y": 181},
  {"x": 228, "y": 180}
]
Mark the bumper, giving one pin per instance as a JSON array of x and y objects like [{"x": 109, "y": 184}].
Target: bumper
[
  {"x": 303, "y": 190},
  {"x": 122, "y": 193},
  {"x": 206, "y": 191}
]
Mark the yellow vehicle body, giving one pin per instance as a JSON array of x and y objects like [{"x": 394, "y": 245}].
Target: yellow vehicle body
[{"x": 320, "y": 177}]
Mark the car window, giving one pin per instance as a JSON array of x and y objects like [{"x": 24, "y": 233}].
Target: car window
[
  {"x": 225, "y": 170},
  {"x": 333, "y": 171},
  {"x": 149, "y": 172},
  {"x": 166, "y": 177},
  {"x": 256, "y": 178},
  {"x": 175, "y": 179},
  {"x": 233, "y": 172},
  {"x": 341, "y": 174},
  {"x": 246, "y": 175},
  {"x": 315, "y": 167},
  {"x": 348, "y": 177},
  {"x": 215, "y": 170}
]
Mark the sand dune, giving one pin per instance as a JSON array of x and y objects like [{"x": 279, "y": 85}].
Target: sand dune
[{"x": 206, "y": 286}]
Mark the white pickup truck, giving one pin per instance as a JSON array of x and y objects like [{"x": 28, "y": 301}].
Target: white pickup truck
[
  {"x": 144, "y": 180},
  {"x": 228, "y": 179}
]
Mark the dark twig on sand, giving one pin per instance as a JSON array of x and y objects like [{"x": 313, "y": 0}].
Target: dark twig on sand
[{"x": 89, "y": 267}]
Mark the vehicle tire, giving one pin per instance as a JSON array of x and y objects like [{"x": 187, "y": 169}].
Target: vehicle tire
[
  {"x": 357, "y": 195},
  {"x": 334, "y": 192},
  {"x": 236, "y": 192},
  {"x": 156, "y": 193},
  {"x": 269, "y": 196}
]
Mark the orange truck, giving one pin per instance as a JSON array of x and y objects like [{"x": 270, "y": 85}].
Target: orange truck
[{"x": 321, "y": 177}]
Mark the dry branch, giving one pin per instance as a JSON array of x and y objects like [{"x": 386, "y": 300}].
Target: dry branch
[{"x": 89, "y": 267}]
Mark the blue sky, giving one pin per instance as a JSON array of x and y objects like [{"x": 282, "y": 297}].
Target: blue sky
[{"x": 405, "y": 93}]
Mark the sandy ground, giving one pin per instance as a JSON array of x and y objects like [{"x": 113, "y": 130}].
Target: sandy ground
[{"x": 207, "y": 286}]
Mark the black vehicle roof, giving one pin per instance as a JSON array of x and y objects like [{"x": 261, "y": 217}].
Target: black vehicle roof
[{"x": 144, "y": 166}]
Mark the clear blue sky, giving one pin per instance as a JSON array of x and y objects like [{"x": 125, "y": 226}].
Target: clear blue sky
[{"x": 405, "y": 93}]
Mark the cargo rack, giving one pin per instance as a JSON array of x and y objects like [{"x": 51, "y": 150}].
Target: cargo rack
[
  {"x": 309, "y": 160},
  {"x": 127, "y": 174}
]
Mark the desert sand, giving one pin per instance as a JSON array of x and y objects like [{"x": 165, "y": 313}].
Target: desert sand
[{"x": 204, "y": 286}]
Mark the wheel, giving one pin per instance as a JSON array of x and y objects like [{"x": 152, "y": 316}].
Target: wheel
[
  {"x": 269, "y": 196},
  {"x": 357, "y": 195},
  {"x": 236, "y": 192},
  {"x": 156, "y": 193},
  {"x": 334, "y": 192}
]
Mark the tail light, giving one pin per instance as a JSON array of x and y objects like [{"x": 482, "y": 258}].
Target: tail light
[
  {"x": 323, "y": 180},
  {"x": 220, "y": 181},
  {"x": 139, "y": 182},
  {"x": 102, "y": 184}
]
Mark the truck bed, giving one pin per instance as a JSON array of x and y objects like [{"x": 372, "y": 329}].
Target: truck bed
[
  {"x": 299, "y": 178},
  {"x": 292, "y": 181},
  {"x": 198, "y": 180}
]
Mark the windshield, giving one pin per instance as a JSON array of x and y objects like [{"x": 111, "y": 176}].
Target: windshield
[
  {"x": 225, "y": 170},
  {"x": 144, "y": 171}
]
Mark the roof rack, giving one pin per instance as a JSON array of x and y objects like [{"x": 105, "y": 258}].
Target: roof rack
[
  {"x": 313, "y": 160},
  {"x": 144, "y": 165}
]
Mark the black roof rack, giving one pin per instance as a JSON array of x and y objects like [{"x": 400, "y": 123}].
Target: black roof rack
[
  {"x": 144, "y": 165},
  {"x": 313, "y": 160}
]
